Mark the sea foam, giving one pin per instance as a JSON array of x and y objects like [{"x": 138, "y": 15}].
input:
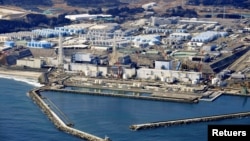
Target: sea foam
[{"x": 29, "y": 81}]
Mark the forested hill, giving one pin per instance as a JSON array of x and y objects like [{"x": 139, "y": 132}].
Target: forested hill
[
  {"x": 95, "y": 3},
  {"x": 32, "y": 3},
  {"x": 92, "y": 2},
  {"x": 237, "y": 3},
  {"x": 24, "y": 3}
]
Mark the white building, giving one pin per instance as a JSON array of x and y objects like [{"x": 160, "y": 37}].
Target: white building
[
  {"x": 4, "y": 38},
  {"x": 165, "y": 64},
  {"x": 30, "y": 62}
]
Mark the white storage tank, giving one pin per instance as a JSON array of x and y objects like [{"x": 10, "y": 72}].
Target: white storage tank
[
  {"x": 87, "y": 73},
  {"x": 124, "y": 76},
  {"x": 195, "y": 81},
  {"x": 163, "y": 79},
  {"x": 215, "y": 81}
]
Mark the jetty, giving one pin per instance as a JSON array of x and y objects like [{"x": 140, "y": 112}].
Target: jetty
[
  {"x": 187, "y": 121},
  {"x": 210, "y": 96},
  {"x": 38, "y": 99}
]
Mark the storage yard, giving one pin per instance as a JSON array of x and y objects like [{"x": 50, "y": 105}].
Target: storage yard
[{"x": 170, "y": 50}]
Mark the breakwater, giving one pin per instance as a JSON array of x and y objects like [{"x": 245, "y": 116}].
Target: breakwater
[
  {"x": 186, "y": 100},
  {"x": 37, "y": 98},
  {"x": 187, "y": 121}
]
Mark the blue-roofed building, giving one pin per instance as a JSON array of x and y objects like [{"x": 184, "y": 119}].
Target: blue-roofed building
[{"x": 9, "y": 44}]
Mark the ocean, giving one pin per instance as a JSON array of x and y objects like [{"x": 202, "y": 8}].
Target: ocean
[{"x": 22, "y": 120}]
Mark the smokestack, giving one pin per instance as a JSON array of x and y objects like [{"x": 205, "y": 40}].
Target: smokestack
[{"x": 60, "y": 51}]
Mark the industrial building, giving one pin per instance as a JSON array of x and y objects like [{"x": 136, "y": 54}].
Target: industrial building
[
  {"x": 85, "y": 58},
  {"x": 208, "y": 48},
  {"x": 39, "y": 44},
  {"x": 164, "y": 64},
  {"x": 9, "y": 44},
  {"x": 124, "y": 60},
  {"x": 31, "y": 62},
  {"x": 157, "y": 21},
  {"x": 200, "y": 58}
]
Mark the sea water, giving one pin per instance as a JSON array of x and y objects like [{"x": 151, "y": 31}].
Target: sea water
[{"x": 22, "y": 120}]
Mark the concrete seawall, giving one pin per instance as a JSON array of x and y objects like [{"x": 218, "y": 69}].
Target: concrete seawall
[
  {"x": 186, "y": 100},
  {"x": 36, "y": 97},
  {"x": 187, "y": 121}
]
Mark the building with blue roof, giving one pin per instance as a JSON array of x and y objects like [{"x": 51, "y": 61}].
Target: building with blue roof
[{"x": 9, "y": 44}]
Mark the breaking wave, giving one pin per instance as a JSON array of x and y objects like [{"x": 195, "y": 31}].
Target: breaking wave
[{"x": 29, "y": 81}]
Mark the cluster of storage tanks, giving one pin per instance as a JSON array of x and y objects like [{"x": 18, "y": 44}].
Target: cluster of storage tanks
[
  {"x": 208, "y": 36},
  {"x": 39, "y": 44}
]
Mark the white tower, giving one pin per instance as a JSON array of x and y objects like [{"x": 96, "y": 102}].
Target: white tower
[{"x": 60, "y": 51}]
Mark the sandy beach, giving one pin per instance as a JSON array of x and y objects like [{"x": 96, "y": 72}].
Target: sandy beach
[{"x": 26, "y": 74}]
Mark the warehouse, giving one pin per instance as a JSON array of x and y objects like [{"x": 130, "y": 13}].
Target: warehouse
[
  {"x": 9, "y": 44},
  {"x": 31, "y": 62},
  {"x": 157, "y": 21}
]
